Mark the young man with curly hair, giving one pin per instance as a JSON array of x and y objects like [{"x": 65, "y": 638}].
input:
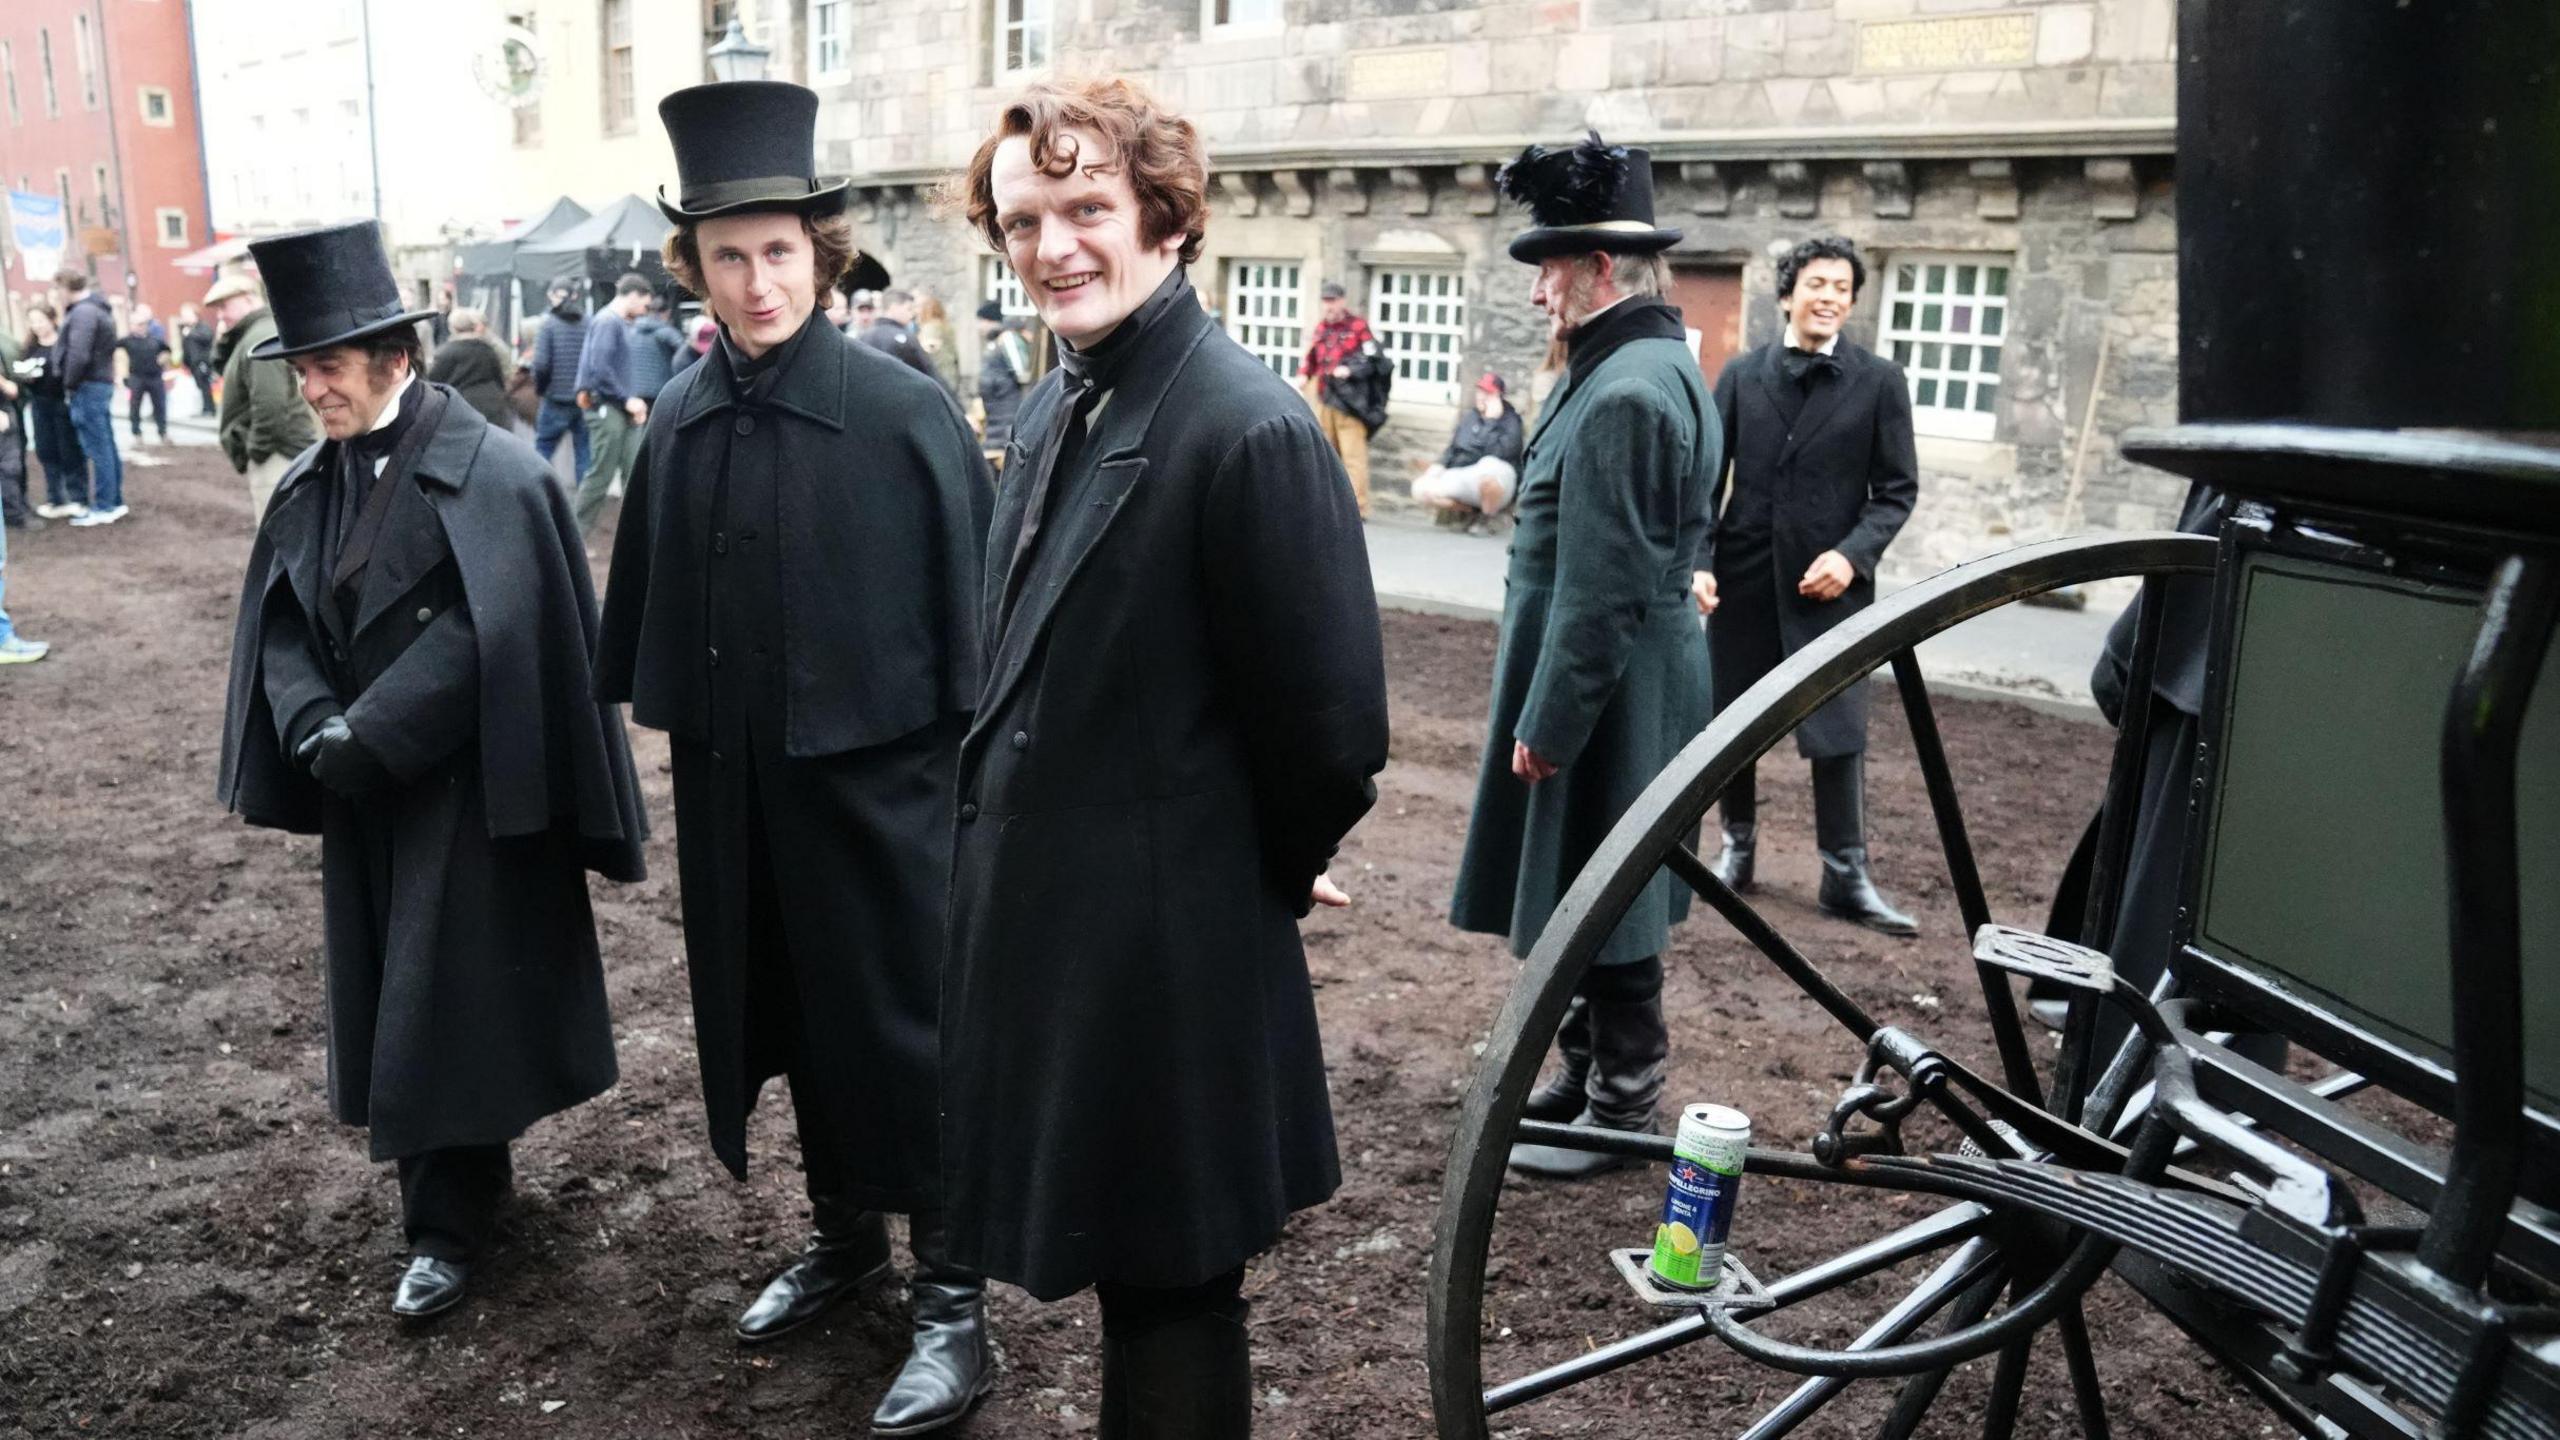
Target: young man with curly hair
[
  {"x": 794, "y": 600},
  {"x": 1184, "y": 708}
]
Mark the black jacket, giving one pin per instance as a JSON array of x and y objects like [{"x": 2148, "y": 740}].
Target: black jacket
[
  {"x": 1478, "y": 438},
  {"x": 470, "y": 364},
  {"x": 1841, "y": 474},
  {"x": 893, "y": 339},
  {"x": 556, "y": 348},
  {"x": 472, "y": 1002},
  {"x": 85, "y": 352},
  {"x": 1181, "y": 721}
]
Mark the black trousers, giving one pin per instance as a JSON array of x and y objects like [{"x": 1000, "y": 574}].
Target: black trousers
[
  {"x": 1130, "y": 1312},
  {"x": 449, "y": 1199},
  {"x": 156, "y": 391},
  {"x": 1839, "y": 800}
]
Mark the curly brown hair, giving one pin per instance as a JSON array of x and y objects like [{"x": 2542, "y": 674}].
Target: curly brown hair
[
  {"x": 830, "y": 242},
  {"x": 1167, "y": 167}
]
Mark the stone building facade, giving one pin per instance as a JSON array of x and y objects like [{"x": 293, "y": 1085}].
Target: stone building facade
[{"x": 2007, "y": 170}]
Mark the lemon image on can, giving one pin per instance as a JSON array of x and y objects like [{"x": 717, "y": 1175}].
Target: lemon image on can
[{"x": 1697, "y": 1209}]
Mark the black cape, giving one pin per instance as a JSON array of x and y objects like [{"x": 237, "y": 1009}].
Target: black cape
[{"x": 466, "y": 996}]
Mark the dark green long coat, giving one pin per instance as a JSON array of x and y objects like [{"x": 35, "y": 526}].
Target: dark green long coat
[{"x": 1602, "y": 667}]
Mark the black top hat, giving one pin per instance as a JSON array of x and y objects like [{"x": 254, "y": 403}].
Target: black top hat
[
  {"x": 330, "y": 286},
  {"x": 745, "y": 145},
  {"x": 1594, "y": 196}
]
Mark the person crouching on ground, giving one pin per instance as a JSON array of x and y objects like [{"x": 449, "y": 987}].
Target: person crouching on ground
[
  {"x": 408, "y": 681},
  {"x": 1481, "y": 468},
  {"x": 1185, "y": 705}
]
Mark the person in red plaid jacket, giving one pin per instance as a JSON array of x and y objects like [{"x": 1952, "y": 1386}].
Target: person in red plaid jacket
[{"x": 1345, "y": 376}]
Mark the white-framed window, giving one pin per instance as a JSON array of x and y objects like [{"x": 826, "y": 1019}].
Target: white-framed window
[
  {"x": 173, "y": 228},
  {"x": 84, "y": 48},
  {"x": 1946, "y": 320},
  {"x": 830, "y": 39},
  {"x": 1020, "y": 34},
  {"x": 155, "y": 106},
  {"x": 1227, "y": 17},
  {"x": 1265, "y": 314},
  {"x": 1420, "y": 316},
  {"x": 997, "y": 282},
  {"x": 621, "y": 90}
]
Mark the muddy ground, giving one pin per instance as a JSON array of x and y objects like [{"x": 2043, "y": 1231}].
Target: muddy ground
[{"x": 189, "y": 1247}]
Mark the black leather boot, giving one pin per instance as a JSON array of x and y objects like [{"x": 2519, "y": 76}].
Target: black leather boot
[
  {"x": 1839, "y": 831},
  {"x": 948, "y": 1368},
  {"x": 1560, "y": 1099},
  {"x": 1187, "y": 1379},
  {"x": 1849, "y": 893},
  {"x": 1629, "y": 1043},
  {"x": 1734, "y": 863},
  {"x": 851, "y": 1247},
  {"x": 429, "y": 1287}
]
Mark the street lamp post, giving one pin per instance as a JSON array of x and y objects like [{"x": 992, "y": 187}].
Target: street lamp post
[{"x": 736, "y": 57}]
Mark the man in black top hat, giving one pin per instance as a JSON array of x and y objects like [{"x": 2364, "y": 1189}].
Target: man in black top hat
[
  {"x": 1824, "y": 474},
  {"x": 407, "y": 681},
  {"x": 792, "y": 600},
  {"x": 1602, "y": 673}
]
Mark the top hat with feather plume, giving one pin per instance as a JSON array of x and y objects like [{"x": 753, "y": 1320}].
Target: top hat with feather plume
[{"x": 1589, "y": 196}]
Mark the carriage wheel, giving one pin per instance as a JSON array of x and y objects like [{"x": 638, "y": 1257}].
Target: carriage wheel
[{"x": 1981, "y": 1255}]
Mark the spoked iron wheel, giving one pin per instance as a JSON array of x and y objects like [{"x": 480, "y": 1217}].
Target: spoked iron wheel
[{"x": 1996, "y": 1275}]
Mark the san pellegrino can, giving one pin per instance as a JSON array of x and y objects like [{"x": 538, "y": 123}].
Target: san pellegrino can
[{"x": 1697, "y": 1209}]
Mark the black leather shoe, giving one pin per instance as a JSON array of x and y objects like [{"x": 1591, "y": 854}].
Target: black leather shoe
[
  {"x": 429, "y": 1287},
  {"x": 1741, "y": 849},
  {"x": 838, "y": 1261},
  {"x": 1560, "y": 1099},
  {"x": 1848, "y": 893},
  {"x": 948, "y": 1368}
]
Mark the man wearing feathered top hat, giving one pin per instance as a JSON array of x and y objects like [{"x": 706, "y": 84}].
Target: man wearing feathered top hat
[
  {"x": 1602, "y": 672},
  {"x": 794, "y": 600},
  {"x": 408, "y": 682}
]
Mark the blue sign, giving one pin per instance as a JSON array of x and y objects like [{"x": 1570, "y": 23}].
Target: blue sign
[{"x": 37, "y": 231}]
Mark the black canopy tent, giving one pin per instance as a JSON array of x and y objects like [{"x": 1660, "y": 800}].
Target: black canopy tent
[
  {"x": 623, "y": 235},
  {"x": 487, "y": 279}
]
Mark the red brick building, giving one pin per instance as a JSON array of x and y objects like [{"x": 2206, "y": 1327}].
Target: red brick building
[{"x": 98, "y": 106}]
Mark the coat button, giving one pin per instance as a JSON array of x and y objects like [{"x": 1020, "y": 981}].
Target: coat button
[
  {"x": 746, "y": 425},
  {"x": 719, "y": 544},
  {"x": 1021, "y": 739},
  {"x": 715, "y": 657},
  {"x": 969, "y": 811},
  {"x": 425, "y": 614}
]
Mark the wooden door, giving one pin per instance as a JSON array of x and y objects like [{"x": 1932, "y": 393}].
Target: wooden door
[{"x": 1710, "y": 301}]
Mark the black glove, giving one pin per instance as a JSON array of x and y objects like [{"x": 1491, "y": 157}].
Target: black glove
[{"x": 337, "y": 759}]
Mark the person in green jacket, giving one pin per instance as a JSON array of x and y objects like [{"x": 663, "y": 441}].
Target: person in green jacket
[
  {"x": 1602, "y": 672},
  {"x": 262, "y": 422}
]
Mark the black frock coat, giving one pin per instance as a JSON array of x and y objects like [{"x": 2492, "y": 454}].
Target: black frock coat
[
  {"x": 466, "y": 997},
  {"x": 794, "y": 600},
  {"x": 1842, "y": 476},
  {"x": 1181, "y": 721}
]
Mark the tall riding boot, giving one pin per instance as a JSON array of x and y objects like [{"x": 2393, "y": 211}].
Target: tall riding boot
[
  {"x": 1741, "y": 813},
  {"x": 1840, "y": 827},
  {"x": 850, "y": 1248},
  {"x": 948, "y": 1368},
  {"x": 1189, "y": 1378},
  {"x": 1560, "y": 1099},
  {"x": 1629, "y": 1043}
]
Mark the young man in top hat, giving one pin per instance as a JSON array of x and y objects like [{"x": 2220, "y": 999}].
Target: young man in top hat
[
  {"x": 1601, "y": 675},
  {"x": 793, "y": 600},
  {"x": 1824, "y": 474},
  {"x": 407, "y": 681},
  {"x": 1185, "y": 705}
]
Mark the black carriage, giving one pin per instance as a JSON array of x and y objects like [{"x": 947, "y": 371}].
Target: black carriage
[{"x": 2372, "y": 830}]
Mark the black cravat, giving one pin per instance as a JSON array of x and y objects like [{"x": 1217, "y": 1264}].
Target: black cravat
[
  {"x": 1087, "y": 375},
  {"x": 1802, "y": 363}
]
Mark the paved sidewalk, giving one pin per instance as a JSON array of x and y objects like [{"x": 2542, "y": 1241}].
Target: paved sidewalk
[{"x": 2032, "y": 654}]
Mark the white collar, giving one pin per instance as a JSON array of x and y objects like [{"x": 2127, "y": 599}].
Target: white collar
[
  {"x": 1827, "y": 346},
  {"x": 391, "y": 407}
]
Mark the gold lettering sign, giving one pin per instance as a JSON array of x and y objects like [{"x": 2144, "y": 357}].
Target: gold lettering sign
[
  {"x": 1394, "y": 74},
  {"x": 1957, "y": 42}
]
